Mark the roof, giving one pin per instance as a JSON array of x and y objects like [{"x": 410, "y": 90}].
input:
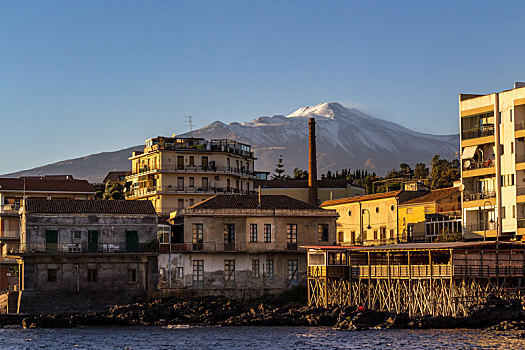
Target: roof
[
  {"x": 292, "y": 183},
  {"x": 113, "y": 176},
  {"x": 437, "y": 246},
  {"x": 227, "y": 201},
  {"x": 367, "y": 197},
  {"x": 328, "y": 247},
  {"x": 55, "y": 183},
  {"x": 64, "y": 206},
  {"x": 434, "y": 195}
]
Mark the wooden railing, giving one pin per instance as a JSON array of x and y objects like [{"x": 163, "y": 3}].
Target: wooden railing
[{"x": 401, "y": 271}]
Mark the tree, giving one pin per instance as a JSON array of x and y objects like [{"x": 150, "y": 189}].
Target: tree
[
  {"x": 443, "y": 173},
  {"x": 99, "y": 190},
  {"x": 114, "y": 191},
  {"x": 279, "y": 170},
  {"x": 446, "y": 236},
  {"x": 299, "y": 174},
  {"x": 421, "y": 171}
]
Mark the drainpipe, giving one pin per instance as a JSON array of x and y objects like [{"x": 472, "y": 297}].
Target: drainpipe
[
  {"x": 498, "y": 163},
  {"x": 78, "y": 281},
  {"x": 360, "y": 223}
]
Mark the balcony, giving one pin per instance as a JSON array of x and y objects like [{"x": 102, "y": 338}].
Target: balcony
[
  {"x": 147, "y": 191},
  {"x": 9, "y": 209},
  {"x": 519, "y": 126},
  {"x": 196, "y": 169},
  {"x": 521, "y": 223},
  {"x": 472, "y": 165},
  {"x": 447, "y": 208},
  {"x": 250, "y": 247},
  {"x": 481, "y": 226},
  {"x": 475, "y": 195},
  {"x": 9, "y": 236},
  {"x": 77, "y": 248},
  {"x": 482, "y": 131}
]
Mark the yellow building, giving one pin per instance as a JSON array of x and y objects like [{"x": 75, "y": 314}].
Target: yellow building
[
  {"x": 493, "y": 164},
  {"x": 175, "y": 173},
  {"x": 371, "y": 219},
  {"x": 421, "y": 219},
  {"x": 298, "y": 189}
]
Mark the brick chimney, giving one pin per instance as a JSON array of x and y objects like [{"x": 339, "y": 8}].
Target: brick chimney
[{"x": 312, "y": 164}]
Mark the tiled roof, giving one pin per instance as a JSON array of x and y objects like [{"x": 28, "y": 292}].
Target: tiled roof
[
  {"x": 300, "y": 183},
  {"x": 114, "y": 175},
  {"x": 56, "y": 183},
  {"x": 225, "y": 201},
  {"x": 434, "y": 195},
  {"x": 89, "y": 207},
  {"x": 367, "y": 197}
]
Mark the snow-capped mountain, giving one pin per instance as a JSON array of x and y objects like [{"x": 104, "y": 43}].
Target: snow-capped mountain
[{"x": 346, "y": 138}]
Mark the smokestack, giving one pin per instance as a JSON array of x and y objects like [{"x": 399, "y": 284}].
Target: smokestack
[{"x": 312, "y": 164}]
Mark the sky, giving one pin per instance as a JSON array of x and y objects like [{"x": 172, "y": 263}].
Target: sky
[{"x": 82, "y": 77}]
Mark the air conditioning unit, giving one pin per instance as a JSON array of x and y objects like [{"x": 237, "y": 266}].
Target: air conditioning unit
[{"x": 217, "y": 177}]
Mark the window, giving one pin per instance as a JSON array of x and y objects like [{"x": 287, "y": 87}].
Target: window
[
  {"x": 502, "y": 149},
  {"x": 253, "y": 232},
  {"x": 391, "y": 233},
  {"x": 392, "y": 207},
  {"x": 77, "y": 235},
  {"x": 322, "y": 232},
  {"x": 337, "y": 258},
  {"x": 191, "y": 182},
  {"x": 229, "y": 273},
  {"x": 92, "y": 275},
  {"x": 228, "y": 165},
  {"x": 269, "y": 268},
  {"x": 293, "y": 274},
  {"x": 512, "y": 147},
  {"x": 204, "y": 183},
  {"x": 349, "y": 213},
  {"x": 375, "y": 234},
  {"x": 382, "y": 232},
  {"x": 179, "y": 272},
  {"x": 198, "y": 273},
  {"x": 180, "y": 183},
  {"x": 507, "y": 180},
  {"x": 503, "y": 212},
  {"x": 255, "y": 268},
  {"x": 164, "y": 233},
  {"x": 205, "y": 162},
  {"x": 180, "y": 203},
  {"x": 51, "y": 275},
  {"x": 267, "y": 233},
  {"x": 192, "y": 202},
  {"x": 377, "y": 209},
  {"x": 132, "y": 275},
  {"x": 229, "y": 233},
  {"x": 340, "y": 237},
  {"x": 291, "y": 233},
  {"x": 192, "y": 161},
  {"x": 180, "y": 162},
  {"x": 198, "y": 233},
  {"x": 352, "y": 236}
]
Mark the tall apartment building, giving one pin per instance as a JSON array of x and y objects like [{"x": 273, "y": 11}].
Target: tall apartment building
[
  {"x": 493, "y": 164},
  {"x": 176, "y": 173}
]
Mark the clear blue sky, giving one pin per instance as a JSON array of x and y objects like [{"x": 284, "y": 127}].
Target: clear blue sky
[{"x": 79, "y": 77}]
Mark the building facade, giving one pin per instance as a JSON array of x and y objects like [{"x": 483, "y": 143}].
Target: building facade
[
  {"x": 372, "y": 219},
  {"x": 12, "y": 192},
  {"x": 298, "y": 189},
  {"x": 233, "y": 244},
  {"x": 72, "y": 248},
  {"x": 175, "y": 173},
  {"x": 493, "y": 164},
  {"x": 423, "y": 218}
]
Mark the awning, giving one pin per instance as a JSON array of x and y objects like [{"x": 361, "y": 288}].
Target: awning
[{"x": 468, "y": 152}]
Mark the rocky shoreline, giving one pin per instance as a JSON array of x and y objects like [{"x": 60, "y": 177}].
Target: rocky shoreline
[{"x": 495, "y": 313}]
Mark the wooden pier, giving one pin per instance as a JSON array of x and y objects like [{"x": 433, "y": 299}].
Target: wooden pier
[{"x": 439, "y": 279}]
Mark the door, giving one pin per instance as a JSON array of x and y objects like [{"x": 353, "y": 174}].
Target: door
[
  {"x": 180, "y": 163},
  {"x": 92, "y": 241},
  {"x": 132, "y": 241},
  {"x": 51, "y": 240}
]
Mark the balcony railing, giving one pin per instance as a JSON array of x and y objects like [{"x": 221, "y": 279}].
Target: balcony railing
[
  {"x": 60, "y": 248},
  {"x": 484, "y": 130},
  {"x": 221, "y": 247},
  {"x": 196, "y": 169},
  {"x": 520, "y": 191},
  {"x": 474, "y": 195},
  {"x": 137, "y": 192},
  {"x": 449, "y": 208},
  {"x": 521, "y": 223},
  {"x": 10, "y": 234},
  {"x": 481, "y": 226},
  {"x": 472, "y": 165},
  {"x": 209, "y": 147},
  {"x": 9, "y": 208},
  {"x": 519, "y": 126}
]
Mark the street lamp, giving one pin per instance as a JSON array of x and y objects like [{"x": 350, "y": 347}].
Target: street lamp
[
  {"x": 368, "y": 227},
  {"x": 485, "y": 221}
]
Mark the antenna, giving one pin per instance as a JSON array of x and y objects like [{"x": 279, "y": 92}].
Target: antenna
[{"x": 189, "y": 123}]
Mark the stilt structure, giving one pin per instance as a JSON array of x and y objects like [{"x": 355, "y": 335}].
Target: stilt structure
[{"x": 439, "y": 279}]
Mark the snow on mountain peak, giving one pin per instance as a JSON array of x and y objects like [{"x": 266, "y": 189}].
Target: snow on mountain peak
[{"x": 328, "y": 110}]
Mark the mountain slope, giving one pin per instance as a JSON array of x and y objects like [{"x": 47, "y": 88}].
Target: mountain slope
[{"x": 346, "y": 138}]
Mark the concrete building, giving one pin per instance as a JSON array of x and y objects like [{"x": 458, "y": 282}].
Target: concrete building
[
  {"x": 12, "y": 192},
  {"x": 423, "y": 218},
  {"x": 298, "y": 189},
  {"x": 175, "y": 173},
  {"x": 116, "y": 177},
  {"x": 493, "y": 164},
  {"x": 373, "y": 219},
  {"x": 243, "y": 245},
  {"x": 85, "y": 255}
]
